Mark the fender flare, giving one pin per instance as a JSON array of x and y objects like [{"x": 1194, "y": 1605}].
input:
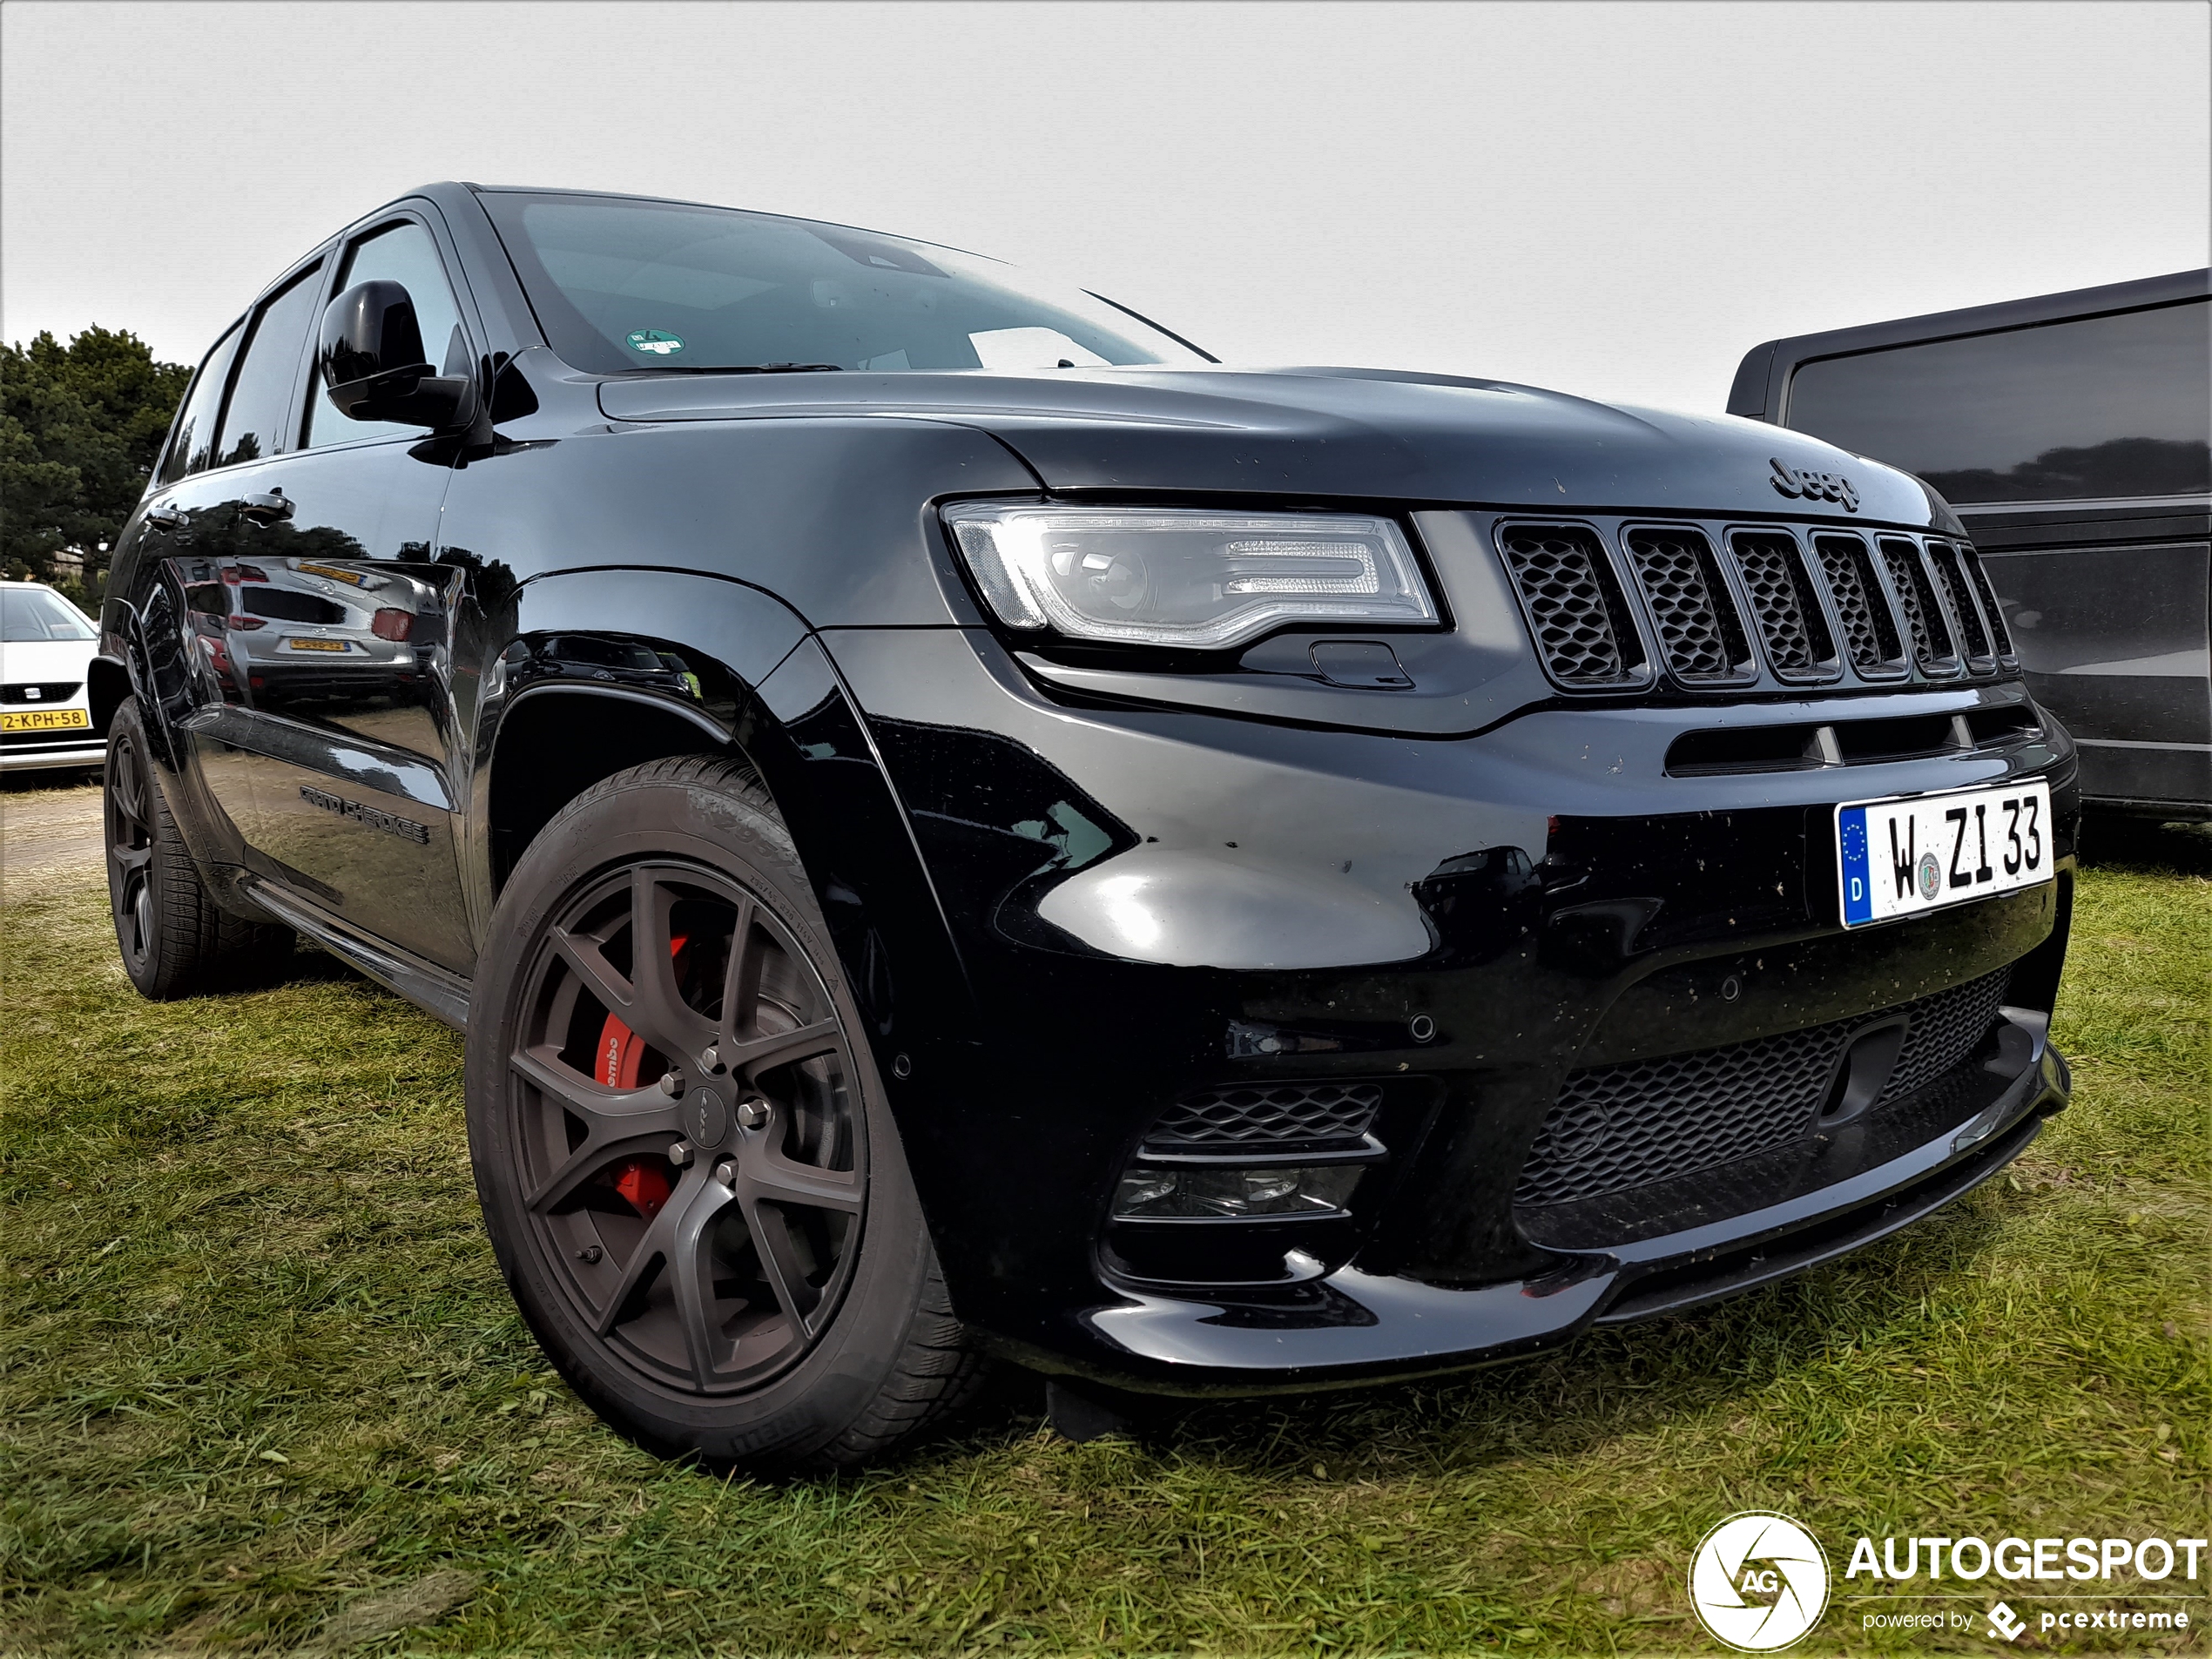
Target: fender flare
[{"x": 804, "y": 737}]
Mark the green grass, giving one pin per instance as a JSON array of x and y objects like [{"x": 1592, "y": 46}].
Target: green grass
[{"x": 256, "y": 1368}]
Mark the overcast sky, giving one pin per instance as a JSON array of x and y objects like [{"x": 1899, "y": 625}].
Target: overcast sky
[{"x": 1611, "y": 200}]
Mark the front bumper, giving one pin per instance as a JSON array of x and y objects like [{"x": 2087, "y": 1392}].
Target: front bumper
[
  {"x": 1354, "y": 1326},
  {"x": 29, "y": 752},
  {"x": 1460, "y": 922}
]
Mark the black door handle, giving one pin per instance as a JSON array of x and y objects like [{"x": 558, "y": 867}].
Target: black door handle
[
  {"x": 167, "y": 518},
  {"x": 265, "y": 510}
]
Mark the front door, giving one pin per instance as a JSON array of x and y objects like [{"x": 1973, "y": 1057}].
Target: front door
[{"x": 346, "y": 653}]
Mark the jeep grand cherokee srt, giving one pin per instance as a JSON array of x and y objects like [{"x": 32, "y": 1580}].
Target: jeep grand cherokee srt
[{"x": 957, "y": 824}]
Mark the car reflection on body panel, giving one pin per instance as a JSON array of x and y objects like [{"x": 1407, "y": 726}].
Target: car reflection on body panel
[
  {"x": 299, "y": 629},
  {"x": 618, "y": 662}
]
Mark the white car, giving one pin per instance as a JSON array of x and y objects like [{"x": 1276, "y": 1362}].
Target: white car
[{"x": 47, "y": 649}]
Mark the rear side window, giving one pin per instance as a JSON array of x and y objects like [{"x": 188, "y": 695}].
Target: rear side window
[
  {"x": 253, "y": 421},
  {"x": 194, "y": 447},
  {"x": 288, "y": 605},
  {"x": 403, "y": 253},
  {"x": 2100, "y": 407}
]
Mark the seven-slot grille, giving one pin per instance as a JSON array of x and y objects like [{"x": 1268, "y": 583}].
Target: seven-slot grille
[
  {"x": 1614, "y": 1127},
  {"x": 1261, "y": 1117},
  {"x": 1712, "y": 607}
]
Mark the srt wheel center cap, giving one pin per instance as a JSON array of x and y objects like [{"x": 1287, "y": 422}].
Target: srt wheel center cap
[{"x": 708, "y": 1119}]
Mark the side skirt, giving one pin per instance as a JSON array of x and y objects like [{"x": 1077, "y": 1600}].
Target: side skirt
[{"x": 443, "y": 997}]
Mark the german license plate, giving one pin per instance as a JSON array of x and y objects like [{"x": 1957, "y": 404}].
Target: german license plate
[
  {"x": 316, "y": 645},
  {"x": 43, "y": 719},
  {"x": 1900, "y": 858}
]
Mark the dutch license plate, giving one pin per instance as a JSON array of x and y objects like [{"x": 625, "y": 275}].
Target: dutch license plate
[
  {"x": 316, "y": 645},
  {"x": 1900, "y": 858},
  {"x": 43, "y": 719}
]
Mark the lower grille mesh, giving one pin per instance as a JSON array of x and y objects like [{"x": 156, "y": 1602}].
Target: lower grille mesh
[
  {"x": 1269, "y": 1115},
  {"x": 1618, "y": 1127}
]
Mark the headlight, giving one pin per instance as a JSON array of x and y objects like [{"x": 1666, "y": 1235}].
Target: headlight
[{"x": 1173, "y": 576}]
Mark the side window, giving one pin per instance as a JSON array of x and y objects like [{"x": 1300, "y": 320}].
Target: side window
[
  {"x": 195, "y": 445},
  {"x": 403, "y": 253},
  {"x": 2091, "y": 409},
  {"x": 254, "y": 420}
]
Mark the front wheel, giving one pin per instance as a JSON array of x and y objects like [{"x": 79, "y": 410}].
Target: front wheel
[{"x": 690, "y": 1179}]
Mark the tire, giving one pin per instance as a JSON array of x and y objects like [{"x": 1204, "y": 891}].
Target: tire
[
  {"x": 175, "y": 941},
  {"x": 774, "y": 1302}
]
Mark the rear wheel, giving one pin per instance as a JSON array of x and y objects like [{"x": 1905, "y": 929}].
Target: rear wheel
[
  {"x": 690, "y": 1177},
  {"x": 175, "y": 940}
]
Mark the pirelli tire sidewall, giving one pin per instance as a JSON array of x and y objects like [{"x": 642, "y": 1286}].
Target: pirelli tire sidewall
[{"x": 792, "y": 1418}]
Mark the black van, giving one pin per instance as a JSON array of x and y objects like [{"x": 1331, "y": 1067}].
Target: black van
[{"x": 2073, "y": 433}]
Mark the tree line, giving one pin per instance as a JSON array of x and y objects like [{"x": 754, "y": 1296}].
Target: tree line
[{"x": 80, "y": 427}]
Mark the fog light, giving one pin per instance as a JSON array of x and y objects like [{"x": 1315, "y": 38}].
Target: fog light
[{"x": 1305, "y": 1192}]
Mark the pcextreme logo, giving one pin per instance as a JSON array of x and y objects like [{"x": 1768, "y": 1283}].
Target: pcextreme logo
[{"x": 1758, "y": 1582}]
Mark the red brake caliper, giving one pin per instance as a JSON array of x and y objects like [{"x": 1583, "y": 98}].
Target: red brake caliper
[{"x": 643, "y": 1183}]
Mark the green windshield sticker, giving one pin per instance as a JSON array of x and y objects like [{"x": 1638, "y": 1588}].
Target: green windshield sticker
[{"x": 658, "y": 341}]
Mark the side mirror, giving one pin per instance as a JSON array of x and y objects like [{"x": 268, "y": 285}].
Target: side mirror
[{"x": 373, "y": 365}]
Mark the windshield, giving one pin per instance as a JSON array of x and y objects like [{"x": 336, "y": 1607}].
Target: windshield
[
  {"x": 623, "y": 285},
  {"x": 40, "y": 613}
]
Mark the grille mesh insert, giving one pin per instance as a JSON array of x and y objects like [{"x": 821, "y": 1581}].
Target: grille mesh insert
[
  {"x": 1699, "y": 635},
  {"x": 1868, "y": 630},
  {"x": 1267, "y": 1115},
  {"x": 1944, "y": 557},
  {"x": 1782, "y": 600},
  {"x": 1931, "y": 639},
  {"x": 1614, "y": 1127},
  {"x": 1562, "y": 574},
  {"x": 1999, "y": 636}
]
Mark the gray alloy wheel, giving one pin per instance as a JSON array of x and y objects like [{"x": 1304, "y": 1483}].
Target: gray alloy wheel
[
  {"x": 686, "y": 1167},
  {"x": 175, "y": 940}
]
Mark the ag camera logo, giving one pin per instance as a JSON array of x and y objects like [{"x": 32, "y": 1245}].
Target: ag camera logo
[{"x": 1758, "y": 1582}]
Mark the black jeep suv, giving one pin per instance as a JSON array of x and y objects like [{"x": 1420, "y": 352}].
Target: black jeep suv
[{"x": 955, "y": 824}]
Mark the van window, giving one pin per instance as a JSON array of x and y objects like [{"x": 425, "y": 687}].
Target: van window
[
  {"x": 2099, "y": 407},
  {"x": 195, "y": 443}
]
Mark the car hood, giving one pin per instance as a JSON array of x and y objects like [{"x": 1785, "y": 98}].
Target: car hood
[
  {"x": 1304, "y": 434},
  {"x": 40, "y": 661}
]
